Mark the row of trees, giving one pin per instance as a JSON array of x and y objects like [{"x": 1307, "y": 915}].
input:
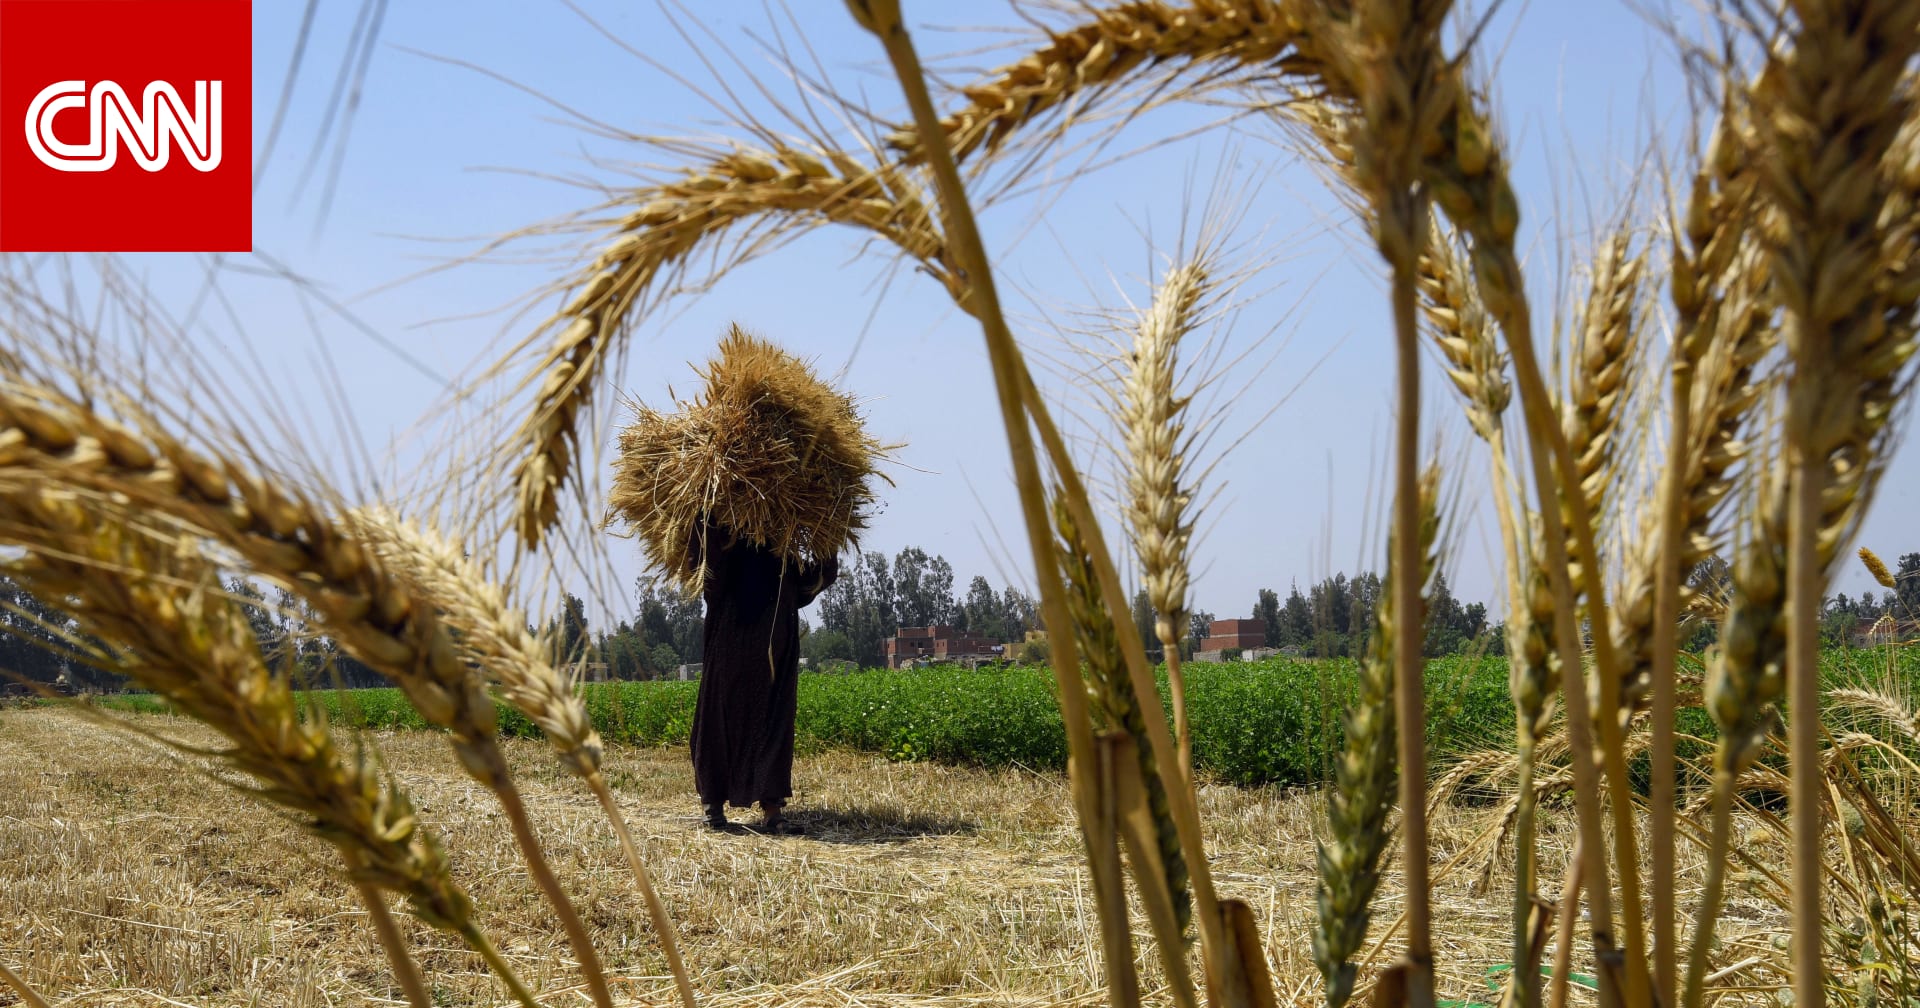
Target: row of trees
[
  {"x": 40, "y": 646},
  {"x": 873, "y": 598},
  {"x": 1334, "y": 617}
]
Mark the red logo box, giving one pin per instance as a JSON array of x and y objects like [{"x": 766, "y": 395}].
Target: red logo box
[{"x": 126, "y": 125}]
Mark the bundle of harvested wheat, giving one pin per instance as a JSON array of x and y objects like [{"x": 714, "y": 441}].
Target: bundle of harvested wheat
[{"x": 769, "y": 452}]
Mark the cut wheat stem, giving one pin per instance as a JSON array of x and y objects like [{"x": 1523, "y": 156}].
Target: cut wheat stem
[
  {"x": 1804, "y": 589},
  {"x": 1830, "y": 106},
  {"x": 1568, "y": 913}
]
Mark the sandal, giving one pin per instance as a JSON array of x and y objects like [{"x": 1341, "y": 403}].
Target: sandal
[{"x": 782, "y": 826}]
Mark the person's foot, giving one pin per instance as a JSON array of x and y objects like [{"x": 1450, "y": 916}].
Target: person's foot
[
  {"x": 773, "y": 820},
  {"x": 717, "y": 818}
]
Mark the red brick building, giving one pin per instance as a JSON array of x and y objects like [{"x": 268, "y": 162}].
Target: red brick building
[
  {"x": 938, "y": 643},
  {"x": 1245, "y": 634}
]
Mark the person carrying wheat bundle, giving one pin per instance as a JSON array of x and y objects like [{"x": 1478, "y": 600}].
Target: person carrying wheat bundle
[{"x": 748, "y": 495}]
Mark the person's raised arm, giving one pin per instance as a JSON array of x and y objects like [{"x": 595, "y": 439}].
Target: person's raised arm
[{"x": 817, "y": 578}]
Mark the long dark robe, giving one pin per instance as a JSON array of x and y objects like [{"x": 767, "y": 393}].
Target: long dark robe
[{"x": 743, "y": 719}]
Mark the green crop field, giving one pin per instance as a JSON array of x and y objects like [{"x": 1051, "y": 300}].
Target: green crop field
[{"x": 1269, "y": 722}]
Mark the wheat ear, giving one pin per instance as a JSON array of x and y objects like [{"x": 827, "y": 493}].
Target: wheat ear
[
  {"x": 375, "y": 615},
  {"x": 1157, "y": 499},
  {"x": 667, "y": 224},
  {"x": 1877, "y": 567},
  {"x": 187, "y": 641},
  {"x": 1102, "y": 52},
  {"x": 1827, "y": 110},
  {"x": 1364, "y": 782},
  {"x": 1606, "y": 352},
  {"x": 494, "y": 638}
]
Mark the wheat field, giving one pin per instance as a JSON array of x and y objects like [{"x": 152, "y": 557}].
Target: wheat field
[{"x": 134, "y": 880}]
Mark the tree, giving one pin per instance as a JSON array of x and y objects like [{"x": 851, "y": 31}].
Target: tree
[
  {"x": 1019, "y": 613},
  {"x": 1446, "y": 621},
  {"x": 1143, "y": 624},
  {"x": 1296, "y": 620},
  {"x": 670, "y": 617},
  {"x": 861, "y": 605},
  {"x": 1906, "y": 586},
  {"x": 31, "y": 643},
  {"x": 823, "y": 646},
  {"x": 1266, "y": 609},
  {"x": 570, "y": 626},
  {"x": 923, "y": 588},
  {"x": 1199, "y": 628},
  {"x": 985, "y": 615},
  {"x": 1364, "y": 602},
  {"x": 938, "y": 583}
]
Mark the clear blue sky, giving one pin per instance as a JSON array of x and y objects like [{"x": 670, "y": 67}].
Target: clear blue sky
[{"x": 442, "y": 156}]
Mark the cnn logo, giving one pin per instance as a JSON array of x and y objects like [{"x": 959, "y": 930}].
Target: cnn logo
[
  {"x": 149, "y": 130},
  {"x": 127, "y": 126}
]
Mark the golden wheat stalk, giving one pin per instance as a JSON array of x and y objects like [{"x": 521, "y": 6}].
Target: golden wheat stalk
[
  {"x": 1828, "y": 108},
  {"x": 156, "y": 600},
  {"x": 1158, "y": 499},
  {"x": 1877, "y": 567},
  {"x": 1467, "y": 174},
  {"x": 883, "y": 20},
  {"x": 1720, "y": 335},
  {"x": 1168, "y": 898},
  {"x": 1229, "y": 976},
  {"x": 1364, "y": 781},
  {"x": 1387, "y": 54},
  {"x": 374, "y": 615},
  {"x": 1112, "y": 47},
  {"x": 494, "y": 638}
]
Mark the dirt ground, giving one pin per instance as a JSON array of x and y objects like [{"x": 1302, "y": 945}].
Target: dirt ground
[{"x": 131, "y": 876}]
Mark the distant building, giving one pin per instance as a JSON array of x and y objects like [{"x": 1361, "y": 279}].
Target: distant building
[
  {"x": 1244, "y": 634},
  {"x": 938, "y": 644},
  {"x": 1247, "y": 635}
]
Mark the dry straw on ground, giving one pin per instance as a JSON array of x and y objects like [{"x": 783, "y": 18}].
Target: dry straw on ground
[
  {"x": 767, "y": 452},
  {"x": 917, "y": 886}
]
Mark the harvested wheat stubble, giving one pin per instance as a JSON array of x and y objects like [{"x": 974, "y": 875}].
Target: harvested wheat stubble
[
  {"x": 768, "y": 451},
  {"x": 919, "y": 884}
]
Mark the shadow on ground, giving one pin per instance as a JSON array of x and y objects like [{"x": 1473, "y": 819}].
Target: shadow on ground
[{"x": 875, "y": 825}]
